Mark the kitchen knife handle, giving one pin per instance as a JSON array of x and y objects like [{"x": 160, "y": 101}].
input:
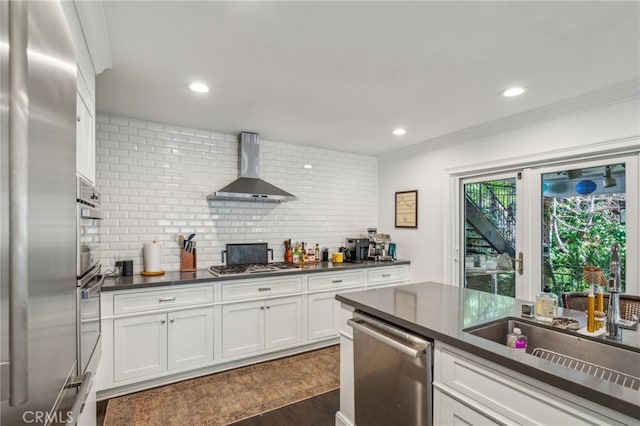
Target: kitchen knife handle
[{"x": 18, "y": 204}]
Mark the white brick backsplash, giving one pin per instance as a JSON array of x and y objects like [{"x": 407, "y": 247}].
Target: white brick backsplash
[{"x": 155, "y": 178}]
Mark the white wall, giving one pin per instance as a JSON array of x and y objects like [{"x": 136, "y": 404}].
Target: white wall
[
  {"x": 154, "y": 179},
  {"x": 428, "y": 170}
]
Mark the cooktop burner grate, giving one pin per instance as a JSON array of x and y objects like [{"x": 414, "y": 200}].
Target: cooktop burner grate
[{"x": 254, "y": 268}]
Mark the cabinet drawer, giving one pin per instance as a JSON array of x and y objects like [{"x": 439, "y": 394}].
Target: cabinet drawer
[
  {"x": 385, "y": 275},
  {"x": 341, "y": 280},
  {"x": 261, "y": 288},
  {"x": 153, "y": 300}
]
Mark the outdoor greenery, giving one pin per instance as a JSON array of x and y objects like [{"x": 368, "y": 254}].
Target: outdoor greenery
[{"x": 579, "y": 231}]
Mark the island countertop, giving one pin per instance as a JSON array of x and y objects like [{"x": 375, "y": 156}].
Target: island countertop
[
  {"x": 441, "y": 312},
  {"x": 203, "y": 275}
]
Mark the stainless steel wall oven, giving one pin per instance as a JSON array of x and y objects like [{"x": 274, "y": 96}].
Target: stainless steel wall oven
[{"x": 89, "y": 275}]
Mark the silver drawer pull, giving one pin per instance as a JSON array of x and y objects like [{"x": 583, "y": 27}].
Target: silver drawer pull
[
  {"x": 167, "y": 299},
  {"x": 172, "y": 319},
  {"x": 386, "y": 275},
  {"x": 162, "y": 321},
  {"x": 336, "y": 281},
  {"x": 264, "y": 289}
]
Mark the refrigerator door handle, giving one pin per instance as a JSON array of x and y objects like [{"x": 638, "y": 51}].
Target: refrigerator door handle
[{"x": 18, "y": 212}]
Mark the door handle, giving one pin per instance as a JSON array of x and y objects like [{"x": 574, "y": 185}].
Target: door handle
[
  {"x": 520, "y": 262},
  {"x": 18, "y": 205}
]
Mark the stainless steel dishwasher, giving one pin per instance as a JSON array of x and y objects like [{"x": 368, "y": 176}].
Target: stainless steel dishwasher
[{"x": 393, "y": 372}]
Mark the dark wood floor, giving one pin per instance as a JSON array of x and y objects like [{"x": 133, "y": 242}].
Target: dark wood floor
[{"x": 316, "y": 411}]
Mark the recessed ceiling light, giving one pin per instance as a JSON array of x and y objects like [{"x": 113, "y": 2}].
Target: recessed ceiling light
[
  {"x": 399, "y": 132},
  {"x": 199, "y": 87},
  {"x": 514, "y": 91}
]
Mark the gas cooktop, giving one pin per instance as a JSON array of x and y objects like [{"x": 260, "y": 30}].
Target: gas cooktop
[{"x": 253, "y": 268}]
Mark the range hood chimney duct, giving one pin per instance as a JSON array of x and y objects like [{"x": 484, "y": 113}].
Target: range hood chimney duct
[{"x": 249, "y": 186}]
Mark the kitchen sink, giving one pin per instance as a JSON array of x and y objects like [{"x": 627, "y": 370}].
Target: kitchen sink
[{"x": 608, "y": 362}]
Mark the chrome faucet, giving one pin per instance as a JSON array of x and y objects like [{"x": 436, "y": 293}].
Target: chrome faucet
[{"x": 614, "y": 322}]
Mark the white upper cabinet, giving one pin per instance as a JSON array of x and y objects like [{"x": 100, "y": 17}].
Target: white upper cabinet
[{"x": 92, "y": 56}]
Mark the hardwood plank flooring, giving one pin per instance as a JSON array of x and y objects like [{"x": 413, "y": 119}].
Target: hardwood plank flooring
[{"x": 317, "y": 411}]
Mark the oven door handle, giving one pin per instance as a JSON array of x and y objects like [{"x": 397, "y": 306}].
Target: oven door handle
[
  {"x": 83, "y": 383},
  {"x": 94, "y": 289}
]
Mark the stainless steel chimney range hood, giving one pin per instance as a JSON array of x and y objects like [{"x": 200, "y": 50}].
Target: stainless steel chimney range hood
[{"x": 249, "y": 186}]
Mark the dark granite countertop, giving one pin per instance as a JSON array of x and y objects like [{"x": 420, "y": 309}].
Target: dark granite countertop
[
  {"x": 203, "y": 275},
  {"x": 441, "y": 312}
]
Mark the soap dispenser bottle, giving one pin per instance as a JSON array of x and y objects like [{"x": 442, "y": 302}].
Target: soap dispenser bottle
[{"x": 546, "y": 305}]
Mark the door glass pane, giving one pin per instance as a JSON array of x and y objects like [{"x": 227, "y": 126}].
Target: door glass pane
[
  {"x": 490, "y": 236},
  {"x": 583, "y": 214}
]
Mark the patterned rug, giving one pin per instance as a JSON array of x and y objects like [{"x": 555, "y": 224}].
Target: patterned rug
[{"x": 230, "y": 396}]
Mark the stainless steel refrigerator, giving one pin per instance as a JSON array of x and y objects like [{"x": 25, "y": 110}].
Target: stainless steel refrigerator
[{"x": 37, "y": 205}]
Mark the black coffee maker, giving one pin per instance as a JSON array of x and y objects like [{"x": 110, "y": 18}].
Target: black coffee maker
[{"x": 357, "y": 250}]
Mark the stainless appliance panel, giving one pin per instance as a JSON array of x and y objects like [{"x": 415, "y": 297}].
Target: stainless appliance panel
[
  {"x": 392, "y": 374},
  {"x": 89, "y": 328},
  {"x": 47, "y": 317}
]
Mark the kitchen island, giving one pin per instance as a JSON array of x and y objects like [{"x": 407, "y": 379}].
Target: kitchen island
[
  {"x": 161, "y": 329},
  {"x": 477, "y": 379}
]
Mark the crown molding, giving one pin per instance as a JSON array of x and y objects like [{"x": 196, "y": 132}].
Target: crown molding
[
  {"x": 94, "y": 29},
  {"x": 599, "y": 98}
]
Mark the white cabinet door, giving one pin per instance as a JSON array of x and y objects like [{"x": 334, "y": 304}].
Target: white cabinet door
[
  {"x": 85, "y": 137},
  {"x": 140, "y": 346},
  {"x": 190, "y": 337},
  {"x": 451, "y": 412},
  {"x": 283, "y": 321},
  {"x": 321, "y": 315},
  {"x": 242, "y": 328}
]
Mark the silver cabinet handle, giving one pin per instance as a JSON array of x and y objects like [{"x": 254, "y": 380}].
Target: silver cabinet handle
[
  {"x": 386, "y": 275},
  {"x": 18, "y": 202},
  {"x": 268, "y": 307},
  {"x": 172, "y": 320},
  {"x": 162, "y": 321},
  {"x": 336, "y": 281},
  {"x": 262, "y": 308},
  {"x": 167, "y": 299},
  {"x": 264, "y": 289}
]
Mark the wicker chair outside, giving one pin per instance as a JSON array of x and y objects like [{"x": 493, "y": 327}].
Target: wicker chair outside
[{"x": 629, "y": 303}]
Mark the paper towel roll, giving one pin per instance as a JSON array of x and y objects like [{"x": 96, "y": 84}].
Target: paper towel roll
[{"x": 151, "y": 253}]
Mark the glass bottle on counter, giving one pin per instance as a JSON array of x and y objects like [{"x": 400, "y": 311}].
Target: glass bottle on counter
[
  {"x": 546, "y": 305},
  {"x": 317, "y": 252}
]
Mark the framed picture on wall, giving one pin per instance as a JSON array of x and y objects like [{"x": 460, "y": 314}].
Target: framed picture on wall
[{"x": 407, "y": 209}]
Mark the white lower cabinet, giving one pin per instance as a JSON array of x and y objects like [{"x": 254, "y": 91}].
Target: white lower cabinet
[
  {"x": 265, "y": 324},
  {"x": 321, "y": 315},
  {"x": 502, "y": 396},
  {"x": 150, "y": 344},
  {"x": 190, "y": 337},
  {"x": 452, "y": 412}
]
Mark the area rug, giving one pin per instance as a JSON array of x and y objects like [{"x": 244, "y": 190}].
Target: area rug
[{"x": 230, "y": 396}]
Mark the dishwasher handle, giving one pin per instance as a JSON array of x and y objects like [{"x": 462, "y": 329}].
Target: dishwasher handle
[{"x": 410, "y": 345}]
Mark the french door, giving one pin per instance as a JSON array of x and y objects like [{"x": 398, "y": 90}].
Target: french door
[
  {"x": 551, "y": 221},
  {"x": 493, "y": 260}
]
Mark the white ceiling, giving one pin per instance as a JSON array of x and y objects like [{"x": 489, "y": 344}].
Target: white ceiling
[{"x": 343, "y": 75}]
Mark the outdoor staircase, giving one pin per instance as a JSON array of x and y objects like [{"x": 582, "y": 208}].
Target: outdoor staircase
[{"x": 490, "y": 224}]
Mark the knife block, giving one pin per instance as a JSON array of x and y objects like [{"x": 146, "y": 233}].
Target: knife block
[{"x": 188, "y": 260}]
